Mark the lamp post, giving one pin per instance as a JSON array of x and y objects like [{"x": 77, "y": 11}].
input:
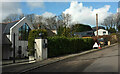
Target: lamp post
[{"x": 14, "y": 48}]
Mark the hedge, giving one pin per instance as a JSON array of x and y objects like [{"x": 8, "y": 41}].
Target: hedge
[
  {"x": 32, "y": 35},
  {"x": 58, "y": 46}
]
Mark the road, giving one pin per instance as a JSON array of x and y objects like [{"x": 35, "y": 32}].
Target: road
[{"x": 105, "y": 60}]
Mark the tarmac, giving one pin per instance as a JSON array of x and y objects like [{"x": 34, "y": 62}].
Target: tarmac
[{"x": 30, "y": 66}]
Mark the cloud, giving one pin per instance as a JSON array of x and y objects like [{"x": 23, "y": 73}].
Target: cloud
[
  {"x": 34, "y": 4},
  {"x": 48, "y": 14},
  {"x": 86, "y": 15},
  {"x": 9, "y": 8}
]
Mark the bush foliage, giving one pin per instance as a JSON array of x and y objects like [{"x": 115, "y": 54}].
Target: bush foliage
[
  {"x": 32, "y": 35},
  {"x": 62, "y": 45},
  {"x": 63, "y": 31},
  {"x": 81, "y": 28}
]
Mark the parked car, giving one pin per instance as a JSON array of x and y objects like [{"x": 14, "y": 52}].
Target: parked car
[{"x": 102, "y": 41}]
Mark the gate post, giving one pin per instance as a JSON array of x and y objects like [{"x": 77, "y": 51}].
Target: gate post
[{"x": 41, "y": 49}]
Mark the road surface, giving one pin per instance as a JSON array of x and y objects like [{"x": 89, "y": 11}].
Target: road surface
[{"x": 105, "y": 60}]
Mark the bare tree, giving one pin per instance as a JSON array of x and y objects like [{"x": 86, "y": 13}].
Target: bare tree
[
  {"x": 13, "y": 17},
  {"x": 117, "y": 20},
  {"x": 38, "y": 21},
  {"x": 112, "y": 21},
  {"x": 31, "y": 17},
  {"x": 51, "y": 22},
  {"x": 10, "y": 18},
  {"x": 66, "y": 19},
  {"x": 109, "y": 22},
  {"x": 21, "y": 16},
  {"x": 60, "y": 20}
]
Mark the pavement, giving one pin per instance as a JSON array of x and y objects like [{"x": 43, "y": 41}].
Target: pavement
[
  {"x": 8, "y": 62},
  {"x": 26, "y": 66}
]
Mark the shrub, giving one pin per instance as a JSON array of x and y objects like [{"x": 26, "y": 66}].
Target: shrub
[
  {"x": 112, "y": 30},
  {"x": 32, "y": 35},
  {"x": 81, "y": 28},
  {"x": 113, "y": 34},
  {"x": 62, "y": 45}
]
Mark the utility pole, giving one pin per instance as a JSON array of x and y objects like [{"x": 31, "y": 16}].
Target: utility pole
[
  {"x": 14, "y": 48},
  {"x": 97, "y": 24}
]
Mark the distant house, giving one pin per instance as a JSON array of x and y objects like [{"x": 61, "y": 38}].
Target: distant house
[
  {"x": 53, "y": 29},
  {"x": 50, "y": 31},
  {"x": 21, "y": 29},
  {"x": 101, "y": 31},
  {"x": 99, "y": 27},
  {"x": 84, "y": 34}
]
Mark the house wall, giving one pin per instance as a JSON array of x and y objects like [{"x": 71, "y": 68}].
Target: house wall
[
  {"x": 100, "y": 32},
  {"x": 6, "y": 49},
  {"x": 15, "y": 29}
]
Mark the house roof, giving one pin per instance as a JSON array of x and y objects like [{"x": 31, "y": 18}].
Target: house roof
[
  {"x": 50, "y": 33},
  {"x": 102, "y": 30},
  {"x": 6, "y": 30},
  {"x": 5, "y": 40},
  {"x": 99, "y": 27},
  {"x": 8, "y": 26},
  {"x": 3, "y": 25},
  {"x": 86, "y": 33}
]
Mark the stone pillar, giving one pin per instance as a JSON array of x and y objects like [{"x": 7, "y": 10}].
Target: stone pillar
[
  {"x": 108, "y": 42},
  {"x": 41, "y": 49}
]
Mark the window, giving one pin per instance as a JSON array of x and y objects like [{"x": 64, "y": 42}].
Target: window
[
  {"x": 104, "y": 32},
  {"x": 24, "y": 32}
]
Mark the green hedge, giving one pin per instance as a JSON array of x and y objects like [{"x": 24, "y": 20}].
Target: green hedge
[
  {"x": 58, "y": 45},
  {"x": 62, "y": 45},
  {"x": 32, "y": 35}
]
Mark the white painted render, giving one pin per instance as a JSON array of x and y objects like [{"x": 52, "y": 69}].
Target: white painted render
[
  {"x": 100, "y": 32},
  {"x": 41, "y": 52}
]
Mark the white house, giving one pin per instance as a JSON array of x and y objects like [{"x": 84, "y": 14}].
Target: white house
[
  {"x": 21, "y": 28},
  {"x": 101, "y": 32}
]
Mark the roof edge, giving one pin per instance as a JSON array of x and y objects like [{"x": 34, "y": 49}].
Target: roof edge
[{"x": 17, "y": 23}]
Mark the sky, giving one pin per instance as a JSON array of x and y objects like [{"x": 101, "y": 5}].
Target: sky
[{"x": 81, "y": 12}]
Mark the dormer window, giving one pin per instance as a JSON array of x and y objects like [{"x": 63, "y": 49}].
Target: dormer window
[{"x": 24, "y": 32}]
